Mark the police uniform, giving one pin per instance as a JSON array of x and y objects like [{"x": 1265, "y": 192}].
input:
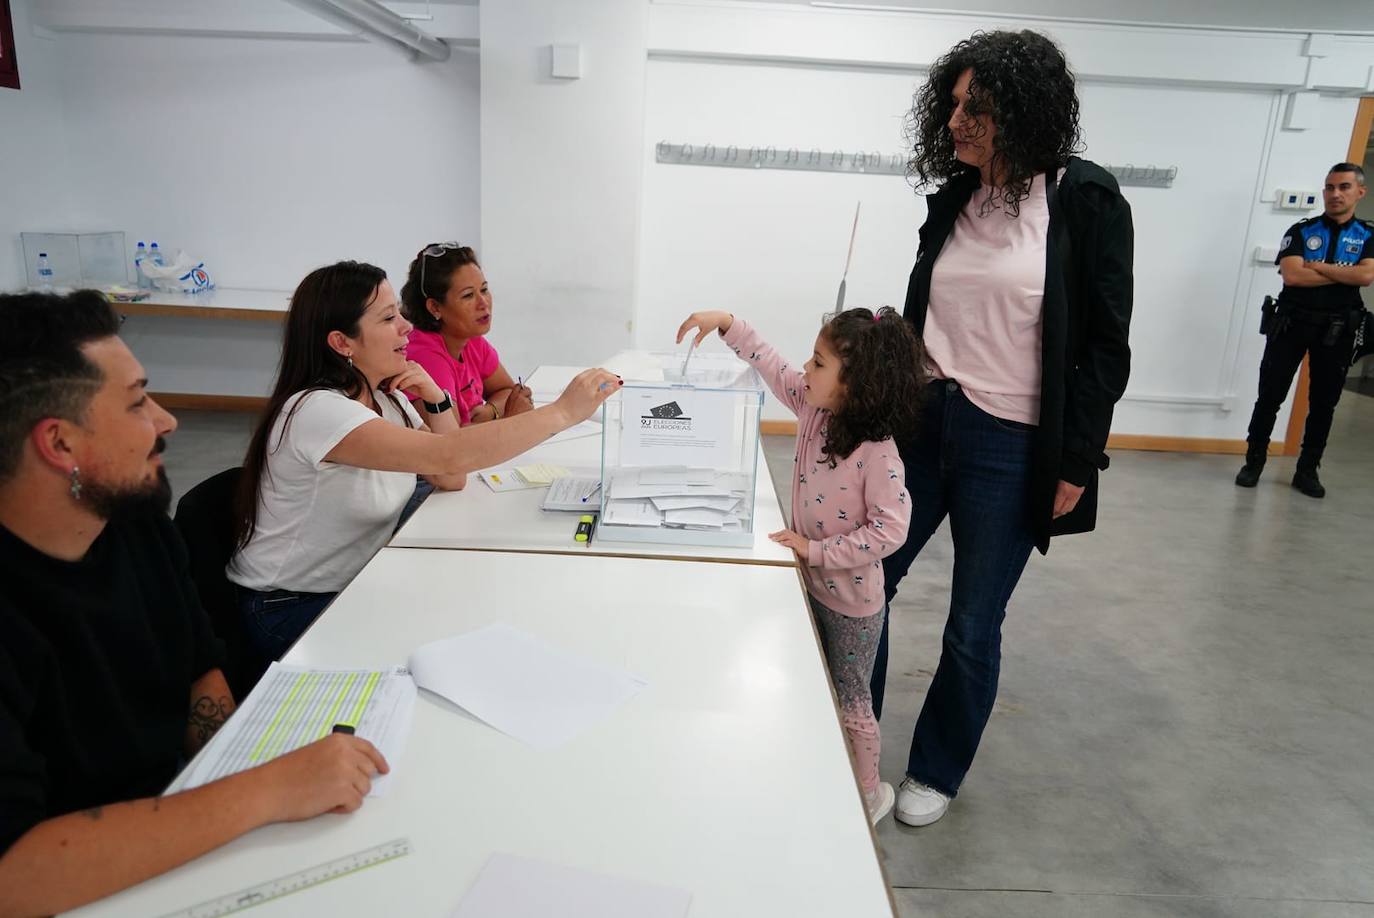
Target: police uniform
[{"x": 1319, "y": 321}]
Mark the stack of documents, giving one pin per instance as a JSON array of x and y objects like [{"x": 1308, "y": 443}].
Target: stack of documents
[
  {"x": 581, "y": 495},
  {"x": 678, "y": 497}
]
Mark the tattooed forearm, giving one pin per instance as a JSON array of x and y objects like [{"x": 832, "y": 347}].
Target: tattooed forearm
[{"x": 207, "y": 716}]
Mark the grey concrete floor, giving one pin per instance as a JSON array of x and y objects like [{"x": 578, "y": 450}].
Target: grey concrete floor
[{"x": 1185, "y": 724}]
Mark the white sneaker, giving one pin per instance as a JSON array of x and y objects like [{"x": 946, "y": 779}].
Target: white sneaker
[
  {"x": 879, "y": 802},
  {"x": 919, "y": 805}
]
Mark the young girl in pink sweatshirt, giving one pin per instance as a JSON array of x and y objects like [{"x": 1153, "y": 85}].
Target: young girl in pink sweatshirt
[{"x": 850, "y": 507}]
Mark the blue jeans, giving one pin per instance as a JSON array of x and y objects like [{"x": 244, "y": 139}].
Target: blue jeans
[
  {"x": 974, "y": 468},
  {"x": 422, "y": 490},
  {"x": 273, "y": 620}
]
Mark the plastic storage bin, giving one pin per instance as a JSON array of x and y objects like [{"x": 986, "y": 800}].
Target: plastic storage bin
[
  {"x": 77, "y": 259},
  {"x": 679, "y": 458}
]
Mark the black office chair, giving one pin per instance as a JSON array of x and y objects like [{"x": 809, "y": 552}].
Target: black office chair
[{"x": 205, "y": 517}]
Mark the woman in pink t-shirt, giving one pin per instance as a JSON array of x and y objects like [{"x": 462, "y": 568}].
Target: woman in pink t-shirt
[{"x": 447, "y": 299}]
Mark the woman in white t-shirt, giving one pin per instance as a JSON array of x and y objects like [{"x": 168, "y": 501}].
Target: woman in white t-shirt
[{"x": 335, "y": 457}]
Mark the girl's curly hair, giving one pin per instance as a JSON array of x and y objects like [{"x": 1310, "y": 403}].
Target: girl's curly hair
[
  {"x": 883, "y": 371},
  {"x": 1022, "y": 80}
]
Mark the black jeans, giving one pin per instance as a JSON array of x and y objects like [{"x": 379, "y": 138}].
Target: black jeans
[
  {"x": 1283, "y": 355},
  {"x": 975, "y": 469}
]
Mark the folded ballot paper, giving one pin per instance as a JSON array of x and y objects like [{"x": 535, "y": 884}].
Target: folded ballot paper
[
  {"x": 677, "y": 497},
  {"x": 538, "y": 693}
]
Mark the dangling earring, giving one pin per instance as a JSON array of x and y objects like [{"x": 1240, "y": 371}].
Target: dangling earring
[
  {"x": 349, "y": 358},
  {"x": 76, "y": 483}
]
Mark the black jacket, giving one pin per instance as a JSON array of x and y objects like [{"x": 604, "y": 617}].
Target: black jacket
[{"x": 1085, "y": 357}]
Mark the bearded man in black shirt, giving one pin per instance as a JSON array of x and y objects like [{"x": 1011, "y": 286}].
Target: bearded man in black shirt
[{"x": 109, "y": 671}]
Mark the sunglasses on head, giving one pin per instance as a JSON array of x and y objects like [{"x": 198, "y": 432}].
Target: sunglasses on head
[{"x": 433, "y": 250}]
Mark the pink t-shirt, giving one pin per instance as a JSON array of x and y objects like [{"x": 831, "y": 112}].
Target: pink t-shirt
[
  {"x": 987, "y": 291},
  {"x": 855, "y": 514},
  {"x": 461, "y": 378}
]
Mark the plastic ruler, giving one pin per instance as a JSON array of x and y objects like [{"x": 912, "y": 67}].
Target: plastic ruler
[{"x": 295, "y": 882}]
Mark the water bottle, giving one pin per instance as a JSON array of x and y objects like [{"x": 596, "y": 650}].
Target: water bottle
[
  {"x": 155, "y": 258},
  {"x": 44, "y": 273},
  {"x": 143, "y": 282}
]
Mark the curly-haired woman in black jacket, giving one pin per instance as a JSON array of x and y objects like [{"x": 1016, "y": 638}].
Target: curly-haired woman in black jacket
[{"x": 1022, "y": 294}]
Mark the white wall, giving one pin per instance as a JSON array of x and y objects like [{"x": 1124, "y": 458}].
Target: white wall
[
  {"x": 269, "y": 158},
  {"x": 771, "y": 244},
  {"x": 33, "y": 154},
  {"x": 265, "y": 158},
  {"x": 1334, "y": 15},
  {"x": 560, "y": 178},
  {"x": 285, "y": 153}
]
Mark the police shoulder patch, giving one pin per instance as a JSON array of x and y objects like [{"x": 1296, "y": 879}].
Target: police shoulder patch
[{"x": 1287, "y": 241}]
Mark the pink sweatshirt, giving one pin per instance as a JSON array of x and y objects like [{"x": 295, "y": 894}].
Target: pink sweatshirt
[{"x": 855, "y": 514}]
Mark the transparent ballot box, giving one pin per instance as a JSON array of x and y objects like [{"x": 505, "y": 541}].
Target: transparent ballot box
[
  {"x": 679, "y": 457},
  {"x": 77, "y": 259}
]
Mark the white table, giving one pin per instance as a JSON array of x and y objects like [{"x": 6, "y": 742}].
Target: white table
[
  {"x": 727, "y": 776},
  {"x": 479, "y": 519}
]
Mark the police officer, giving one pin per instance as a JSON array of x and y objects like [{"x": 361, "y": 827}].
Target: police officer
[{"x": 1324, "y": 261}]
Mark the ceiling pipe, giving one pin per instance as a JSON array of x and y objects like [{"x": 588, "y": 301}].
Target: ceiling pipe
[{"x": 369, "y": 19}]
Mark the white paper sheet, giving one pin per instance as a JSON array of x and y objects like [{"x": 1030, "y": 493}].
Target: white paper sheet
[
  {"x": 676, "y": 475},
  {"x": 735, "y": 481},
  {"x": 292, "y": 706},
  {"x": 627, "y": 488},
  {"x": 523, "y": 686},
  {"x": 511, "y": 886},
  {"x": 664, "y": 475},
  {"x": 697, "y": 518},
  {"x": 667, "y": 427},
  {"x": 631, "y": 513},
  {"x": 719, "y": 504}
]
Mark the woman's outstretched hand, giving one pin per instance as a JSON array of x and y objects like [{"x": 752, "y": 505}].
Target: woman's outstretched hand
[{"x": 586, "y": 393}]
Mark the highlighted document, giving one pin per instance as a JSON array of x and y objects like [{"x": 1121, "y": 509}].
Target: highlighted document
[{"x": 293, "y": 706}]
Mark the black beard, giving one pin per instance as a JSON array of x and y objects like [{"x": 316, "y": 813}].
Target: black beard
[{"x": 108, "y": 502}]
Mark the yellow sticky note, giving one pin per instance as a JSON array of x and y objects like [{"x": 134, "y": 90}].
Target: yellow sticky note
[{"x": 541, "y": 473}]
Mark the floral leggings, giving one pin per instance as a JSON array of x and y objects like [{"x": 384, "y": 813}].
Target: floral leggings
[{"x": 851, "y": 645}]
